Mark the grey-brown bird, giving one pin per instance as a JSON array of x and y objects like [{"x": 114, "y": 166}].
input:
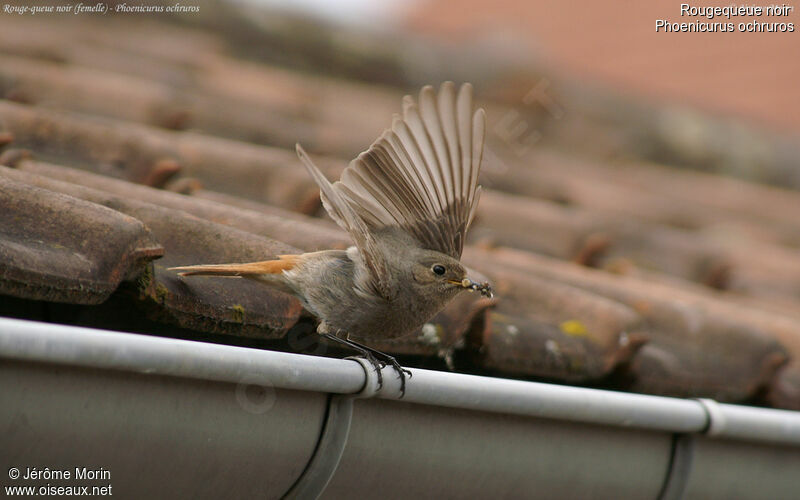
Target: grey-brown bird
[{"x": 407, "y": 202}]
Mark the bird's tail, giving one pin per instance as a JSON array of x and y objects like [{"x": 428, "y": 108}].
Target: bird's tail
[{"x": 250, "y": 269}]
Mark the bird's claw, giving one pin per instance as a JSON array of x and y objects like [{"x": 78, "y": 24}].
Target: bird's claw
[
  {"x": 377, "y": 359},
  {"x": 389, "y": 361},
  {"x": 378, "y": 365}
]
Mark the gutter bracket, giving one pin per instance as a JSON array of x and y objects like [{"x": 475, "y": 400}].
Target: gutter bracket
[
  {"x": 371, "y": 384},
  {"x": 714, "y": 416},
  {"x": 333, "y": 439},
  {"x": 325, "y": 460},
  {"x": 680, "y": 465},
  {"x": 679, "y": 469}
]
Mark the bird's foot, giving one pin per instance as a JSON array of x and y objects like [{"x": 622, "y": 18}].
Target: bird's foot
[
  {"x": 402, "y": 373},
  {"x": 377, "y": 359},
  {"x": 385, "y": 359},
  {"x": 378, "y": 365}
]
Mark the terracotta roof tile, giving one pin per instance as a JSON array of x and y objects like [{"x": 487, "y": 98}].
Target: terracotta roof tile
[
  {"x": 603, "y": 239},
  {"x": 547, "y": 329},
  {"x": 192, "y": 105},
  {"x": 134, "y": 151},
  {"x": 293, "y": 228},
  {"x": 698, "y": 345},
  {"x": 58, "y": 248},
  {"x": 218, "y": 305}
]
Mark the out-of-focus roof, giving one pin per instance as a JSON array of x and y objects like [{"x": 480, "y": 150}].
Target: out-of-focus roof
[
  {"x": 123, "y": 159},
  {"x": 742, "y": 73}
]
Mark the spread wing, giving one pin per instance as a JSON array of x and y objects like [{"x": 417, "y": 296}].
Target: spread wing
[{"x": 420, "y": 175}]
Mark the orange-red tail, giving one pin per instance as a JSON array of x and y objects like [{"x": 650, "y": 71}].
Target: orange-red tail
[{"x": 283, "y": 263}]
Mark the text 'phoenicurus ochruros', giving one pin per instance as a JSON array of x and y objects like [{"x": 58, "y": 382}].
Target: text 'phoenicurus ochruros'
[{"x": 407, "y": 202}]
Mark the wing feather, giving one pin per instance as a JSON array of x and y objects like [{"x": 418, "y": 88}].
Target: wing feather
[
  {"x": 404, "y": 162},
  {"x": 447, "y": 112},
  {"x": 433, "y": 128},
  {"x": 342, "y": 212},
  {"x": 425, "y": 149},
  {"x": 464, "y": 123},
  {"x": 417, "y": 163},
  {"x": 478, "y": 129},
  {"x": 421, "y": 175}
]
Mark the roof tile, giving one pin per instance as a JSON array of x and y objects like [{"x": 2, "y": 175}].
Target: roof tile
[
  {"x": 218, "y": 305},
  {"x": 134, "y": 151},
  {"x": 694, "y": 349},
  {"x": 58, "y": 248},
  {"x": 293, "y": 228},
  {"x": 547, "y": 329}
]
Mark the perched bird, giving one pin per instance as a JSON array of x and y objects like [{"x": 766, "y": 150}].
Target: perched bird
[{"x": 407, "y": 202}]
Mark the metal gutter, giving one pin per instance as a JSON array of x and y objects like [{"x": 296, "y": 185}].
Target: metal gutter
[
  {"x": 454, "y": 410},
  {"x": 45, "y": 342},
  {"x": 70, "y": 345}
]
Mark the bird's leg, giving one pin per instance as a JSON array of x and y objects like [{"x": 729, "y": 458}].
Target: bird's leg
[
  {"x": 366, "y": 352},
  {"x": 387, "y": 360}
]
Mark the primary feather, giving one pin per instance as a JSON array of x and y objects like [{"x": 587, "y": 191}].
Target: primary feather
[{"x": 420, "y": 175}]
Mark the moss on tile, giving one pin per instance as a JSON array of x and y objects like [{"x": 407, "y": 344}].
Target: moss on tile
[{"x": 238, "y": 313}]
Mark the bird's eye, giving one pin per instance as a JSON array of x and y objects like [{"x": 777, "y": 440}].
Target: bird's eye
[{"x": 438, "y": 269}]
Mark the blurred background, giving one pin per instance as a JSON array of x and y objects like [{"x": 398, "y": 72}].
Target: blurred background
[
  {"x": 641, "y": 219},
  {"x": 613, "y": 45}
]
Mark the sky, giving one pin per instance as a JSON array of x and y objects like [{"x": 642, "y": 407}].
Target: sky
[{"x": 359, "y": 12}]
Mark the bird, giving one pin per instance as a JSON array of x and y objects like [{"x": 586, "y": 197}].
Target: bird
[{"x": 407, "y": 202}]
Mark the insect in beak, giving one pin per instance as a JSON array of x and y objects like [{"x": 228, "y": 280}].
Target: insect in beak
[{"x": 484, "y": 288}]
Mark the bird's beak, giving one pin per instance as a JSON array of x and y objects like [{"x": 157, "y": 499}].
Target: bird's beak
[{"x": 484, "y": 288}]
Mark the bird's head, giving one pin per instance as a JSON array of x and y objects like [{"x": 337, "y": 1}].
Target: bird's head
[{"x": 436, "y": 271}]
